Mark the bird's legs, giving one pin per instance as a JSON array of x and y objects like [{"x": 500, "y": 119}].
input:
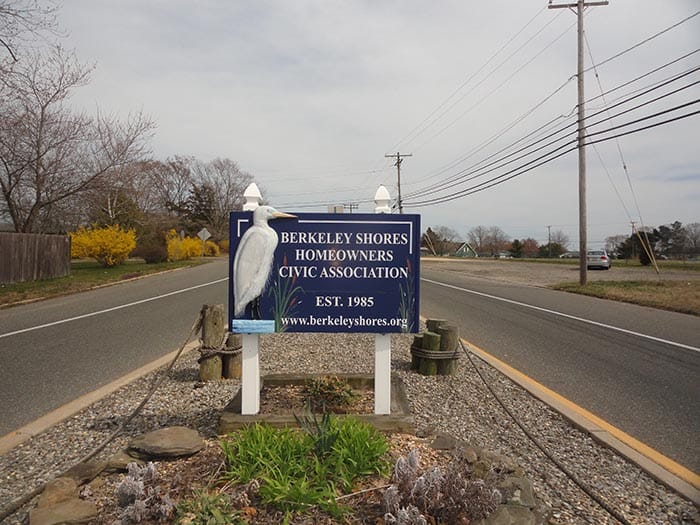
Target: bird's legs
[{"x": 255, "y": 309}]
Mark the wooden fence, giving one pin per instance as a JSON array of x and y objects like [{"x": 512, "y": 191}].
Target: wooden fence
[{"x": 32, "y": 256}]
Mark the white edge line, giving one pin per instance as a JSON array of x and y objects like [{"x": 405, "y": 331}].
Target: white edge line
[
  {"x": 121, "y": 306},
  {"x": 553, "y": 312}
]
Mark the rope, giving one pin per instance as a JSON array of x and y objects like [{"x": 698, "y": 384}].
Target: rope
[
  {"x": 619, "y": 517},
  {"x": 207, "y": 352},
  {"x": 18, "y": 503}
]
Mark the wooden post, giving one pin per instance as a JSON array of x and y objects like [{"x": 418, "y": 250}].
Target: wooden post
[
  {"x": 432, "y": 325},
  {"x": 449, "y": 337},
  {"x": 213, "y": 330},
  {"x": 232, "y": 363}
]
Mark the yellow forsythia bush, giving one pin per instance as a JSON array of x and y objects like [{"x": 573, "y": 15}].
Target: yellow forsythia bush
[
  {"x": 224, "y": 245},
  {"x": 109, "y": 245},
  {"x": 211, "y": 249},
  {"x": 181, "y": 249}
]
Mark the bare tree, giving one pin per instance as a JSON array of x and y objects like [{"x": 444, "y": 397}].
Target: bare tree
[
  {"x": 227, "y": 183},
  {"x": 49, "y": 153},
  {"x": 21, "y": 20},
  {"x": 692, "y": 238},
  {"x": 612, "y": 242},
  {"x": 498, "y": 240},
  {"x": 478, "y": 238},
  {"x": 560, "y": 238}
]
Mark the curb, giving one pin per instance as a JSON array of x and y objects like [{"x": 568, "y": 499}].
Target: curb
[
  {"x": 658, "y": 466},
  {"x": 16, "y": 437}
]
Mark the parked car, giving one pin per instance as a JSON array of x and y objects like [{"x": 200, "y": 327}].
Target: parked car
[
  {"x": 598, "y": 259},
  {"x": 569, "y": 255}
]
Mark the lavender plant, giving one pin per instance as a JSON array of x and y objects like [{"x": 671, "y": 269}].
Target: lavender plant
[{"x": 141, "y": 498}]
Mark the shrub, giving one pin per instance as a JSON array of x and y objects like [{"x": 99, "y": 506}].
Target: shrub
[
  {"x": 211, "y": 249},
  {"x": 181, "y": 249},
  {"x": 109, "y": 245},
  {"x": 151, "y": 248},
  {"x": 224, "y": 245}
]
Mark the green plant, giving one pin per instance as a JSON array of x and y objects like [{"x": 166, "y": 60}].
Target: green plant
[
  {"x": 295, "y": 471},
  {"x": 359, "y": 450},
  {"x": 207, "y": 508},
  {"x": 328, "y": 391},
  {"x": 322, "y": 433}
]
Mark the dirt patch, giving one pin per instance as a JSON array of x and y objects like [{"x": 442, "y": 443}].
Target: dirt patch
[{"x": 291, "y": 399}]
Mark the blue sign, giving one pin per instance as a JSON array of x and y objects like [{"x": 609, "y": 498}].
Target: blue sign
[{"x": 322, "y": 272}]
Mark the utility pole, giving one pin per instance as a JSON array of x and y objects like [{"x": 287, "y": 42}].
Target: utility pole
[
  {"x": 634, "y": 231},
  {"x": 399, "y": 160},
  {"x": 549, "y": 239},
  {"x": 580, "y": 5}
]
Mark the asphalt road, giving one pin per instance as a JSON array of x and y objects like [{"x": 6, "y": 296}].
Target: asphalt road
[
  {"x": 47, "y": 366},
  {"x": 645, "y": 386},
  {"x": 643, "y": 380}
]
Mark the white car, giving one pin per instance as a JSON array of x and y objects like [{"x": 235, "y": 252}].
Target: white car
[{"x": 598, "y": 259}]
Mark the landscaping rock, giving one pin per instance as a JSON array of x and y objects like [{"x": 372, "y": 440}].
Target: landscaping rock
[
  {"x": 85, "y": 472},
  {"x": 66, "y": 512},
  {"x": 119, "y": 461},
  {"x": 521, "y": 490},
  {"x": 168, "y": 442},
  {"x": 58, "y": 490},
  {"x": 509, "y": 515}
]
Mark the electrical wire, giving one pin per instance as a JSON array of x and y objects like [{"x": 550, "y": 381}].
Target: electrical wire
[
  {"x": 645, "y": 41},
  {"x": 493, "y": 91},
  {"x": 460, "y": 174},
  {"x": 473, "y": 172},
  {"x": 463, "y": 84},
  {"x": 543, "y": 160}
]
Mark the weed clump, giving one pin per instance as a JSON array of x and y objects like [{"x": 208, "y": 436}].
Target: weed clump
[{"x": 328, "y": 393}]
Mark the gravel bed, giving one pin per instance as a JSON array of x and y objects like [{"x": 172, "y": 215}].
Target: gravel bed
[{"x": 459, "y": 405}]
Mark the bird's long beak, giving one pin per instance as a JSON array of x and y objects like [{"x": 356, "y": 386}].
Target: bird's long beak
[{"x": 281, "y": 215}]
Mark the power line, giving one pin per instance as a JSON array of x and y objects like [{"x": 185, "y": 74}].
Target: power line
[
  {"x": 463, "y": 84},
  {"x": 542, "y": 160},
  {"x": 552, "y": 121},
  {"x": 617, "y": 55},
  {"x": 473, "y": 172}
]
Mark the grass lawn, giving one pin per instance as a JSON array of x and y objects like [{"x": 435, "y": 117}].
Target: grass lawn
[
  {"x": 85, "y": 274},
  {"x": 677, "y": 296}
]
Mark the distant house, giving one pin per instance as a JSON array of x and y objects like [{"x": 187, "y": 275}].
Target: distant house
[{"x": 466, "y": 250}]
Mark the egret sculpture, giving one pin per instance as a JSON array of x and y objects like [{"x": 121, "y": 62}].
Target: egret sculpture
[{"x": 253, "y": 261}]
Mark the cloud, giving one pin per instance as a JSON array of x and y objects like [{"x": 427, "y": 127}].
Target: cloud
[{"x": 309, "y": 96}]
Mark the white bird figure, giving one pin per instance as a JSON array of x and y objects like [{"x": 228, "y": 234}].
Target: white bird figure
[{"x": 253, "y": 261}]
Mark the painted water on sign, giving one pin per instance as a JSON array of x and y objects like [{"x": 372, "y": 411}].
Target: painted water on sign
[{"x": 327, "y": 272}]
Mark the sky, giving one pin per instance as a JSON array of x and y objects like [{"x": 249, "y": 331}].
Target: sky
[{"x": 309, "y": 97}]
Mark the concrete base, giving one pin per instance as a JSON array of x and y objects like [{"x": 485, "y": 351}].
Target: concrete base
[{"x": 399, "y": 420}]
